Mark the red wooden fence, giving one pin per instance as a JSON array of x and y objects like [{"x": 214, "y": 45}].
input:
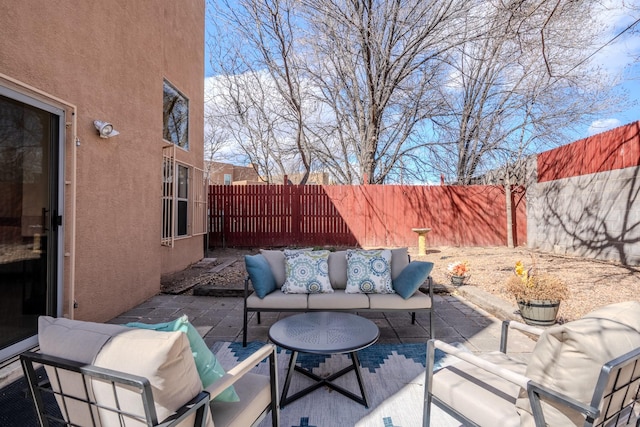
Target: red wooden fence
[{"x": 366, "y": 216}]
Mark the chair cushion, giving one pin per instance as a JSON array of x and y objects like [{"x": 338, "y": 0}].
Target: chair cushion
[
  {"x": 369, "y": 271},
  {"x": 260, "y": 274},
  {"x": 568, "y": 358},
  {"x": 209, "y": 370},
  {"x": 307, "y": 272},
  {"x": 255, "y": 396},
  {"x": 164, "y": 358},
  {"x": 488, "y": 400},
  {"x": 411, "y": 277},
  {"x": 73, "y": 339}
]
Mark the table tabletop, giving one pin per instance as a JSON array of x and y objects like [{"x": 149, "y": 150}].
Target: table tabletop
[{"x": 324, "y": 332}]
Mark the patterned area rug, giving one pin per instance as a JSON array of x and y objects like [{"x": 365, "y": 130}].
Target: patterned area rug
[{"x": 393, "y": 376}]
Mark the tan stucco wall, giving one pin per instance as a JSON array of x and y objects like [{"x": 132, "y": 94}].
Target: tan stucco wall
[{"x": 109, "y": 59}]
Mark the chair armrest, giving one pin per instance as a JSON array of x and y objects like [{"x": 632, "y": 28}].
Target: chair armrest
[
  {"x": 538, "y": 392},
  {"x": 512, "y": 324},
  {"x": 239, "y": 370},
  {"x": 506, "y": 374},
  {"x": 198, "y": 404}
]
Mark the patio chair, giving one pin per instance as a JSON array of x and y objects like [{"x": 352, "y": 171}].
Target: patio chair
[
  {"x": 111, "y": 375},
  {"x": 117, "y": 408},
  {"x": 585, "y": 372}
]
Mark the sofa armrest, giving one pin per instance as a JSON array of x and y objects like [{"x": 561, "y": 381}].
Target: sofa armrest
[{"x": 239, "y": 370}]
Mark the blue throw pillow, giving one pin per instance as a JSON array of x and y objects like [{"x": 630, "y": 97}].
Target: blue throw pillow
[
  {"x": 411, "y": 277},
  {"x": 208, "y": 367},
  {"x": 260, "y": 274}
]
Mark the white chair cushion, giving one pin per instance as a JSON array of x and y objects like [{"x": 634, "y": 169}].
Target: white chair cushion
[
  {"x": 482, "y": 397},
  {"x": 568, "y": 358},
  {"x": 164, "y": 358},
  {"x": 255, "y": 396}
]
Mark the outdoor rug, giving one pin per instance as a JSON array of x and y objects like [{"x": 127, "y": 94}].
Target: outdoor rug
[{"x": 393, "y": 376}]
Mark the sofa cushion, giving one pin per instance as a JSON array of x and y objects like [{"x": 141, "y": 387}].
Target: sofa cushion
[
  {"x": 383, "y": 302},
  {"x": 568, "y": 358},
  {"x": 164, "y": 358},
  {"x": 369, "y": 271},
  {"x": 260, "y": 274},
  {"x": 399, "y": 260},
  {"x": 411, "y": 277},
  {"x": 278, "y": 300},
  {"x": 275, "y": 258},
  {"x": 338, "y": 269},
  {"x": 307, "y": 272},
  {"x": 339, "y": 300},
  {"x": 209, "y": 370}
]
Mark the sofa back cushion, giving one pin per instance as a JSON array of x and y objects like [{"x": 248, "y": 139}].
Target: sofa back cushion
[
  {"x": 568, "y": 358},
  {"x": 337, "y": 265}
]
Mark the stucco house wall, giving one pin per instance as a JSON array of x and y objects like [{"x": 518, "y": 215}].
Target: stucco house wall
[{"x": 109, "y": 58}]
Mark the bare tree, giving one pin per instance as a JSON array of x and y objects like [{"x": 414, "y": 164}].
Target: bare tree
[
  {"x": 518, "y": 90},
  {"x": 378, "y": 65}
]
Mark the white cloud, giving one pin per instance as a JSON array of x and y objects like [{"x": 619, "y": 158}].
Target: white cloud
[{"x": 599, "y": 126}]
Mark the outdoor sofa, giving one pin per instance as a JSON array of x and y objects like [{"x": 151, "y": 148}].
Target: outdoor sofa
[{"x": 347, "y": 280}]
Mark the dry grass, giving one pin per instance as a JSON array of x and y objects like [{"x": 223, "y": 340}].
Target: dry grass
[{"x": 591, "y": 283}]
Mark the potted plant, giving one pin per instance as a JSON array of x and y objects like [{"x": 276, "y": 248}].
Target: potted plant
[
  {"x": 458, "y": 272},
  {"x": 538, "y": 294}
]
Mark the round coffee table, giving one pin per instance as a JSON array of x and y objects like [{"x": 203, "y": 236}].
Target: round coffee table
[{"x": 324, "y": 333}]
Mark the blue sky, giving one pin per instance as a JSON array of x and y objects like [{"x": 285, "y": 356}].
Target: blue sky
[{"x": 619, "y": 58}]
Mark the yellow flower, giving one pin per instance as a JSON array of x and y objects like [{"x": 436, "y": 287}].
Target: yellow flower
[{"x": 520, "y": 271}]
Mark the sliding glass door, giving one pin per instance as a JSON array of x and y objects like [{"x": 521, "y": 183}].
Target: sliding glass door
[{"x": 30, "y": 217}]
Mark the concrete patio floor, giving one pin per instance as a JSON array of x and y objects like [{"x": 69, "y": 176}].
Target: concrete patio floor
[{"x": 220, "y": 319}]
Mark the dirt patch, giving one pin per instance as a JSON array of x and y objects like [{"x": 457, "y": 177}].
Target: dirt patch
[{"x": 591, "y": 283}]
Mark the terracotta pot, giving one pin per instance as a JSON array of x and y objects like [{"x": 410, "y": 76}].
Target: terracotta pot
[{"x": 539, "y": 312}]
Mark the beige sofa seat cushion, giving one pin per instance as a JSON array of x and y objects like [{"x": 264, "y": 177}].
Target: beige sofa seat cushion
[
  {"x": 395, "y": 302},
  {"x": 278, "y": 300},
  {"x": 484, "y": 398},
  {"x": 568, "y": 358},
  {"x": 255, "y": 396},
  {"x": 339, "y": 300},
  {"x": 164, "y": 358}
]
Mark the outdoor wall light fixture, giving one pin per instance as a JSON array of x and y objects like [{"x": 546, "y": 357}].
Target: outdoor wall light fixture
[{"x": 105, "y": 129}]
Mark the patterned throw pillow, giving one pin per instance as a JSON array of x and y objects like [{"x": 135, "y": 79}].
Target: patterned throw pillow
[
  {"x": 369, "y": 272},
  {"x": 307, "y": 272}
]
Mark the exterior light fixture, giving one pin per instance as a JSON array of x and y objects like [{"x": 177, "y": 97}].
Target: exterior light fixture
[{"x": 105, "y": 129}]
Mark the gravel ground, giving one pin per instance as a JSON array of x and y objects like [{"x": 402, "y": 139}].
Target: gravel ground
[{"x": 592, "y": 283}]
